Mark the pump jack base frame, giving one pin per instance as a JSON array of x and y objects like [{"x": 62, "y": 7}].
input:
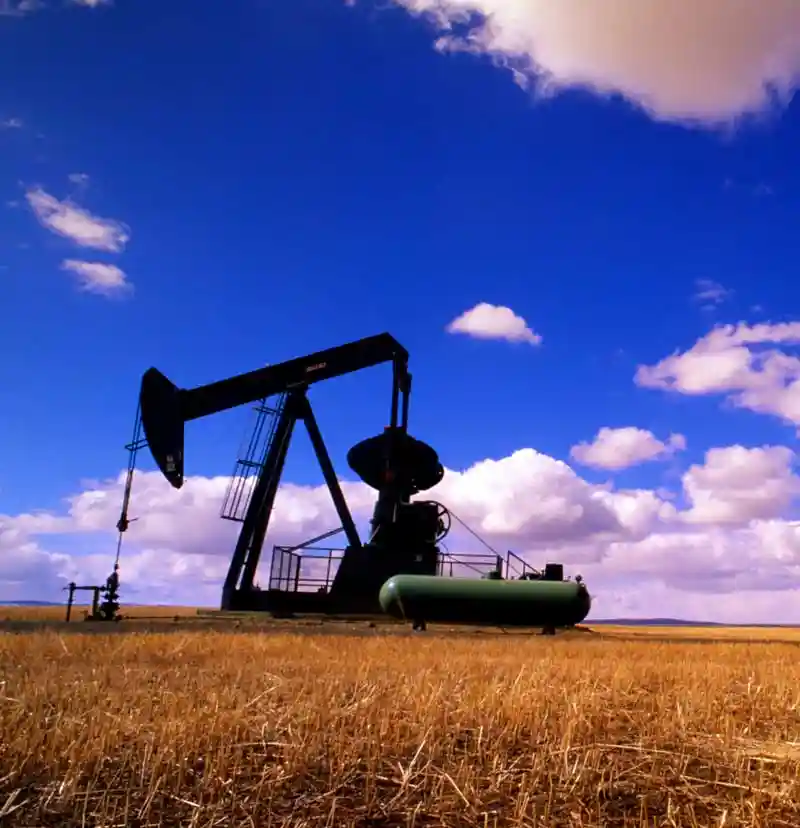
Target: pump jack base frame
[
  {"x": 239, "y": 592},
  {"x": 280, "y": 603}
]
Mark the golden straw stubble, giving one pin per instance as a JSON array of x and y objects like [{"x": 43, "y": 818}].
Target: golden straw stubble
[{"x": 205, "y": 725}]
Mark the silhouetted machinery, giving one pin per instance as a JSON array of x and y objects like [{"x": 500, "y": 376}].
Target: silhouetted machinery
[
  {"x": 399, "y": 570},
  {"x": 105, "y": 610}
]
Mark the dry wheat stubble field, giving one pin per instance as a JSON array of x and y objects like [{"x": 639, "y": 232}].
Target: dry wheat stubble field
[{"x": 249, "y": 726}]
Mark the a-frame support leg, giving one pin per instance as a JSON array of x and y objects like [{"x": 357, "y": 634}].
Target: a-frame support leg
[
  {"x": 247, "y": 553},
  {"x": 256, "y": 520},
  {"x": 328, "y": 472}
]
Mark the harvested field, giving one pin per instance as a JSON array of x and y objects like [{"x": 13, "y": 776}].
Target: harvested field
[
  {"x": 752, "y": 634},
  {"x": 211, "y": 726},
  {"x": 57, "y": 613}
]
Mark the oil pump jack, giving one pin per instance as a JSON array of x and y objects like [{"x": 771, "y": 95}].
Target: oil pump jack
[
  {"x": 404, "y": 534},
  {"x": 398, "y": 571}
]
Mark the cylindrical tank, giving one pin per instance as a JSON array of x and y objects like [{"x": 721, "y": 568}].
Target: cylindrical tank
[{"x": 436, "y": 599}]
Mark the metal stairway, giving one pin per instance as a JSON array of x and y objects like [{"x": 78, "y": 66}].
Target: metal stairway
[{"x": 252, "y": 455}]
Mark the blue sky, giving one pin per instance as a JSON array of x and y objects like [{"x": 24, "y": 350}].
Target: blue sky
[{"x": 295, "y": 175}]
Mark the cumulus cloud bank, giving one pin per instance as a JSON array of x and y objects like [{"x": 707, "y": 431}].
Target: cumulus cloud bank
[
  {"x": 705, "y": 62},
  {"x": 733, "y": 537},
  {"x": 736, "y": 485}
]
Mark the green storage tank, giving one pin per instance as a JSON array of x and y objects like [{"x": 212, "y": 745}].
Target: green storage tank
[{"x": 485, "y": 602}]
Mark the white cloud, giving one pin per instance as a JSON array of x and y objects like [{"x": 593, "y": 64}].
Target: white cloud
[
  {"x": 727, "y": 361},
  {"x": 18, "y": 8},
  {"x": 80, "y": 179},
  {"x": 679, "y": 60},
  {"x": 710, "y": 292},
  {"x": 80, "y": 226},
  {"x": 486, "y": 321},
  {"x": 98, "y": 277},
  {"x": 620, "y": 448},
  {"x": 9, "y": 9},
  {"x": 11, "y": 123}
]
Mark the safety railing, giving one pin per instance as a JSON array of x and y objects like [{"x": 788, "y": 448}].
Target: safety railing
[{"x": 313, "y": 568}]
